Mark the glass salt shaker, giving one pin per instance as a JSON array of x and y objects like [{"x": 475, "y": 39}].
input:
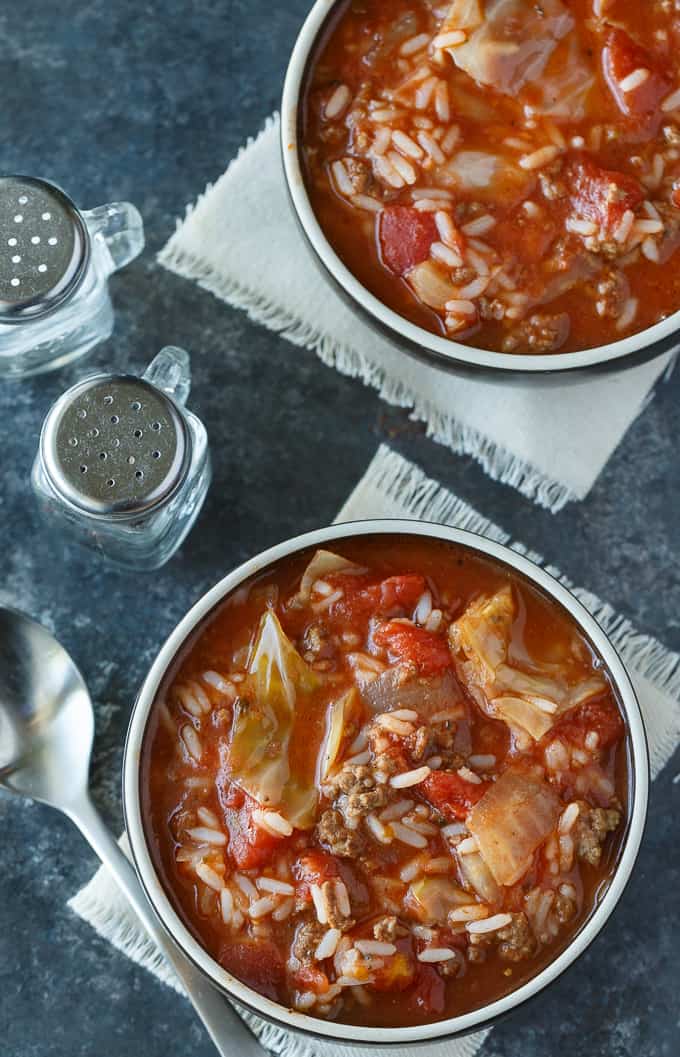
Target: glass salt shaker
[
  {"x": 123, "y": 465},
  {"x": 55, "y": 262}
]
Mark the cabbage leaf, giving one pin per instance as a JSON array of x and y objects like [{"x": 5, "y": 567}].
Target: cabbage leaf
[
  {"x": 511, "y": 821},
  {"x": 342, "y": 711},
  {"x": 278, "y": 679}
]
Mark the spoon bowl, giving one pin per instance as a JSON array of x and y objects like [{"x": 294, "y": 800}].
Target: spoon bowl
[
  {"x": 46, "y": 718},
  {"x": 46, "y": 734}
]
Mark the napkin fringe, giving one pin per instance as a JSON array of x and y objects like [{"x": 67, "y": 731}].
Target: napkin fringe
[
  {"x": 497, "y": 461},
  {"x": 650, "y": 659},
  {"x": 123, "y": 932}
]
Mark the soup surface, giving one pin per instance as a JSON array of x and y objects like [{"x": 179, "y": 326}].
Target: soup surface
[
  {"x": 386, "y": 784},
  {"x": 502, "y": 172}
]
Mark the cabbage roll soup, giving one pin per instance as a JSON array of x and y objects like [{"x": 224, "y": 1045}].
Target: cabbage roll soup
[
  {"x": 386, "y": 784},
  {"x": 502, "y": 172}
]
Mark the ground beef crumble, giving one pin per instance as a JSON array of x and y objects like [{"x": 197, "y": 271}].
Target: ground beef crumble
[
  {"x": 385, "y": 929},
  {"x": 354, "y": 778},
  {"x": 318, "y": 643},
  {"x": 516, "y": 940},
  {"x": 551, "y": 187},
  {"x": 307, "y": 939},
  {"x": 591, "y": 828},
  {"x": 336, "y": 918},
  {"x": 564, "y": 908},
  {"x": 613, "y": 290},
  {"x": 332, "y": 831},
  {"x": 419, "y": 743},
  {"x": 491, "y": 308},
  {"x": 360, "y": 174},
  {"x": 541, "y": 332}
]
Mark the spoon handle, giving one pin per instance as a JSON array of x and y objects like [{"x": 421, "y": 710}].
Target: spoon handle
[{"x": 226, "y": 1029}]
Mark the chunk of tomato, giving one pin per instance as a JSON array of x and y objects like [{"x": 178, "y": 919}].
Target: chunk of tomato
[
  {"x": 602, "y": 717},
  {"x": 428, "y": 997},
  {"x": 621, "y": 57},
  {"x": 523, "y": 237},
  {"x": 405, "y": 237},
  {"x": 402, "y": 590},
  {"x": 450, "y": 794},
  {"x": 249, "y": 846},
  {"x": 309, "y": 978},
  {"x": 313, "y": 868},
  {"x": 362, "y": 597},
  {"x": 258, "y": 963},
  {"x": 406, "y": 642},
  {"x": 602, "y": 195}
]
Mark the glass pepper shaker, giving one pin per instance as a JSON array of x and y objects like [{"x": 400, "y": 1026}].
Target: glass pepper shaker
[
  {"x": 55, "y": 262},
  {"x": 123, "y": 465}
]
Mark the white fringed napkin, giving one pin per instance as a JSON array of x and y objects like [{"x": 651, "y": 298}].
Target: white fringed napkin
[
  {"x": 240, "y": 241},
  {"x": 394, "y": 487}
]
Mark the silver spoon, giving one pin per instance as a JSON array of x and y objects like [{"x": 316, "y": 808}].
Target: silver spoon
[{"x": 46, "y": 732}]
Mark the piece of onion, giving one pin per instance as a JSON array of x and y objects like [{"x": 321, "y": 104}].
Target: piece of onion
[
  {"x": 433, "y": 897},
  {"x": 522, "y": 714},
  {"x": 477, "y": 873},
  {"x": 431, "y": 284},
  {"x": 427, "y": 694},
  {"x": 324, "y": 563}
]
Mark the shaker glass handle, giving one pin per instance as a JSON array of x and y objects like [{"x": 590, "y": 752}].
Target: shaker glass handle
[
  {"x": 170, "y": 371},
  {"x": 120, "y": 226}
]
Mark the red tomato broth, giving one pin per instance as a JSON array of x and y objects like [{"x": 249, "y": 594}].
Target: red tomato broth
[
  {"x": 582, "y": 290},
  {"x": 541, "y": 630}
]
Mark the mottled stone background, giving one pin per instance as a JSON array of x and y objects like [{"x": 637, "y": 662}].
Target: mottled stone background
[{"x": 148, "y": 102}]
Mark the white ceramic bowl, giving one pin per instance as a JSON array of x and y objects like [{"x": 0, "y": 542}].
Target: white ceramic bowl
[
  {"x": 463, "y": 358},
  {"x": 346, "y": 1033}
]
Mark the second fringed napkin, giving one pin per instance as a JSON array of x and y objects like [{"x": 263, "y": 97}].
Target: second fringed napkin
[{"x": 241, "y": 242}]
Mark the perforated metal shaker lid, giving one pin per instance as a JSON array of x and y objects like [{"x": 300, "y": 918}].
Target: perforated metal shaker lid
[
  {"x": 44, "y": 248},
  {"x": 115, "y": 446}
]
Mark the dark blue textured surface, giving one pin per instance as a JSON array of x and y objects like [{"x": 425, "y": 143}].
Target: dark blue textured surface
[{"x": 148, "y": 102}]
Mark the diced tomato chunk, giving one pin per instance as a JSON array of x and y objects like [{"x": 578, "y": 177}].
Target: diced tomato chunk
[
  {"x": 675, "y": 195},
  {"x": 309, "y": 978},
  {"x": 362, "y": 597},
  {"x": 428, "y": 997},
  {"x": 258, "y": 963},
  {"x": 249, "y": 846},
  {"x": 405, "y": 237},
  {"x": 622, "y": 57},
  {"x": 401, "y": 591},
  {"x": 603, "y": 717},
  {"x": 524, "y": 237},
  {"x": 313, "y": 868},
  {"x": 410, "y": 643},
  {"x": 450, "y": 794},
  {"x": 602, "y": 195}
]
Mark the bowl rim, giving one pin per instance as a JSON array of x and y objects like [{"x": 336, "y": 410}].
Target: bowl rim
[
  {"x": 445, "y": 350},
  {"x": 302, "y": 1022}
]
